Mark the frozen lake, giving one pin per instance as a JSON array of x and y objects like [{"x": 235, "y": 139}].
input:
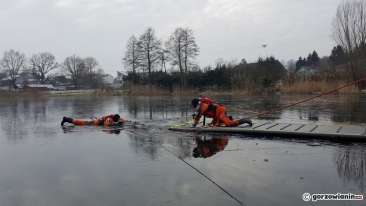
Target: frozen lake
[{"x": 43, "y": 163}]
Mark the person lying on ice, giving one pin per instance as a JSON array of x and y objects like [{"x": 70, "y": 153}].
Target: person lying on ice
[
  {"x": 108, "y": 120},
  {"x": 216, "y": 112}
]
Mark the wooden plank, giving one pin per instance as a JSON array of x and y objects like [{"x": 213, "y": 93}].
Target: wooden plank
[
  {"x": 259, "y": 125},
  {"x": 347, "y": 133},
  {"x": 279, "y": 127},
  {"x": 306, "y": 128},
  {"x": 352, "y": 130},
  {"x": 326, "y": 129}
]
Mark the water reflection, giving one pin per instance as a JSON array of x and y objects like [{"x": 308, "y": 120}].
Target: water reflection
[
  {"x": 142, "y": 143},
  {"x": 76, "y": 128},
  {"x": 208, "y": 147},
  {"x": 112, "y": 131},
  {"x": 20, "y": 117},
  {"x": 351, "y": 165},
  {"x": 310, "y": 115}
]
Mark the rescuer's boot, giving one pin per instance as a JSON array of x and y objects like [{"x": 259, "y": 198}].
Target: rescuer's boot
[
  {"x": 66, "y": 119},
  {"x": 242, "y": 121}
]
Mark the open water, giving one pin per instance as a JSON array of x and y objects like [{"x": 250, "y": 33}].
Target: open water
[{"x": 42, "y": 163}]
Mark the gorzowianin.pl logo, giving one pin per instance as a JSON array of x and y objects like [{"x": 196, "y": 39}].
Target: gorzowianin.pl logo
[{"x": 315, "y": 197}]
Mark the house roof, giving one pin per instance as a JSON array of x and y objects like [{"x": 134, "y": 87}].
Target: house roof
[
  {"x": 48, "y": 86},
  {"x": 121, "y": 73},
  {"x": 311, "y": 70},
  {"x": 19, "y": 86}
]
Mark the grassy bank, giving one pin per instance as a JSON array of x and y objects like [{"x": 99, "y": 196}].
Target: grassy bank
[
  {"x": 317, "y": 87},
  {"x": 315, "y": 84},
  {"x": 298, "y": 86}
]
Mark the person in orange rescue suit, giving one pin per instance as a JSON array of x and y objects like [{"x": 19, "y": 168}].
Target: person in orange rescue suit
[
  {"x": 108, "y": 120},
  {"x": 216, "y": 112},
  {"x": 207, "y": 148}
]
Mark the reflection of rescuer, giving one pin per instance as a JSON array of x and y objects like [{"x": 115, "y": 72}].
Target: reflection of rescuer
[
  {"x": 207, "y": 148},
  {"x": 108, "y": 120},
  {"x": 209, "y": 108}
]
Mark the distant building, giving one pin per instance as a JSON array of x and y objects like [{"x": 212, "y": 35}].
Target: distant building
[
  {"x": 20, "y": 81},
  {"x": 121, "y": 76},
  {"x": 108, "y": 79},
  {"x": 310, "y": 70},
  {"x": 38, "y": 87},
  {"x": 306, "y": 70}
]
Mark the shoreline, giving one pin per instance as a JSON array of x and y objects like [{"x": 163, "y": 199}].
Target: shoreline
[{"x": 16, "y": 94}]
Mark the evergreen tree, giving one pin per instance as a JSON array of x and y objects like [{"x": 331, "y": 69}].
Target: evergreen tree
[
  {"x": 337, "y": 55},
  {"x": 300, "y": 63},
  {"x": 315, "y": 58},
  {"x": 308, "y": 60}
]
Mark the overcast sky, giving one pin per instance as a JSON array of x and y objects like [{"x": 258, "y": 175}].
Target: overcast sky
[{"x": 228, "y": 29}]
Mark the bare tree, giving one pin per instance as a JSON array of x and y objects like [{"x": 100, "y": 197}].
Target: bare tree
[
  {"x": 74, "y": 67},
  {"x": 219, "y": 63},
  {"x": 42, "y": 64},
  {"x": 164, "y": 58},
  {"x": 231, "y": 64},
  {"x": 150, "y": 48},
  {"x": 196, "y": 68},
  {"x": 175, "y": 47},
  {"x": 131, "y": 60},
  {"x": 182, "y": 49},
  {"x": 91, "y": 68},
  {"x": 325, "y": 65},
  {"x": 11, "y": 64},
  {"x": 291, "y": 65},
  {"x": 191, "y": 50},
  {"x": 349, "y": 31}
]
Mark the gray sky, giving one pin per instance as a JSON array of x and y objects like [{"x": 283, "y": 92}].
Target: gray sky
[{"x": 228, "y": 29}]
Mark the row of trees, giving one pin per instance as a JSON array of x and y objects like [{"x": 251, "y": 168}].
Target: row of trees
[
  {"x": 223, "y": 75},
  {"x": 43, "y": 67},
  {"x": 311, "y": 60},
  {"x": 349, "y": 32},
  {"x": 148, "y": 52}
]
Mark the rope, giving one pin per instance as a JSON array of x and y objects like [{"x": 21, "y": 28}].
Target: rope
[
  {"x": 193, "y": 168},
  {"x": 290, "y": 105}
]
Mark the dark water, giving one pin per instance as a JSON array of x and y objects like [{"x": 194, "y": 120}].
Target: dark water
[{"x": 43, "y": 163}]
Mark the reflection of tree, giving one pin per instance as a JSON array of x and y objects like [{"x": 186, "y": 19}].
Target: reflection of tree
[
  {"x": 349, "y": 108},
  {"x": 112, "y": 131},
  {"x": 352, "y": 166},
  {"x": 207, "y": 148},
  {"x": 13, "y": 119},
  {"x": 19, "y": 117},
  {"x": 311, "y": 114},
  {"x": 157, "y": 107},
  {"x": 143, "y": 144},
  {"x": 149, "y": 143}
]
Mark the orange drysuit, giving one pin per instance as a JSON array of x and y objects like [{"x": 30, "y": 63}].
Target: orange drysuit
[
  {"x": 105, "y": 121},
  {"x": 220, "y": 115},
  {"x": 207, "y": 148}
]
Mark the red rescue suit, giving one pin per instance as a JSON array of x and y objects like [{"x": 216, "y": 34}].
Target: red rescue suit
[
  {"x": 207, "y": 148},
  {"x": 105, "y": 121},
  {"x": 215, "y": 111}
]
